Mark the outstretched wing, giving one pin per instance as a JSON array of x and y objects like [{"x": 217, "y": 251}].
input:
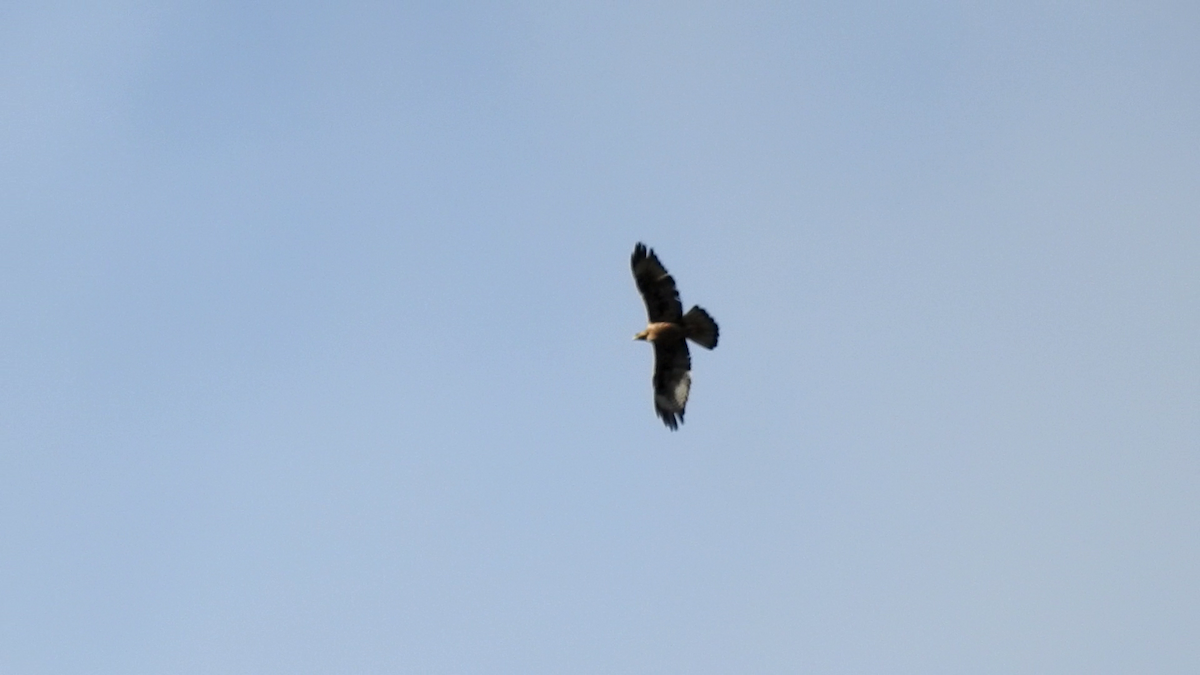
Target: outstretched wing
[
  {"x": 656, "y": 286},
  {"x": 672, "y": 381}
]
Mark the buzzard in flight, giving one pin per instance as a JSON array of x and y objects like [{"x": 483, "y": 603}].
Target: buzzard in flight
[{"x": 669, "y": 331}]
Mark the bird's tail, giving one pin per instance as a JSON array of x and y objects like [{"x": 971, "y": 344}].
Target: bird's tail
[{"x": 701, "y": 328}]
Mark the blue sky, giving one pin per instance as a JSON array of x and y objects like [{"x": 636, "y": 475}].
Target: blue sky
[{"x": 315, "y": 337}]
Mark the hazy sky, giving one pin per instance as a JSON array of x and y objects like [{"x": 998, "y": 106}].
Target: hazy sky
[{"x": 315, "y": 335}]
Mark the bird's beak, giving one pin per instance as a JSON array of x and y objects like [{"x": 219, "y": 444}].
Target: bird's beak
[{"x": 640, "y": 336}]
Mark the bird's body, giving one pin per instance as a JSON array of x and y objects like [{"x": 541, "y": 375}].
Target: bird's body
[
  {"x": 662, "y": 331},
  {"x": 669, "y": 330}
]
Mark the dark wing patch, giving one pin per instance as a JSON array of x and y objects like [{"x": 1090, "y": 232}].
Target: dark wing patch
[
  {"x": 672, "y": 381},
  {"x": 656, "y": 286}
]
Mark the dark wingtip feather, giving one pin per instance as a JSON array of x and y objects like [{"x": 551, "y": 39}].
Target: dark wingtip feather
[{"x": 640, "y": 253}]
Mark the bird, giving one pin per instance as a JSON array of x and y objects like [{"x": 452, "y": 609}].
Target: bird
[{"x": 668, "y": 330}]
